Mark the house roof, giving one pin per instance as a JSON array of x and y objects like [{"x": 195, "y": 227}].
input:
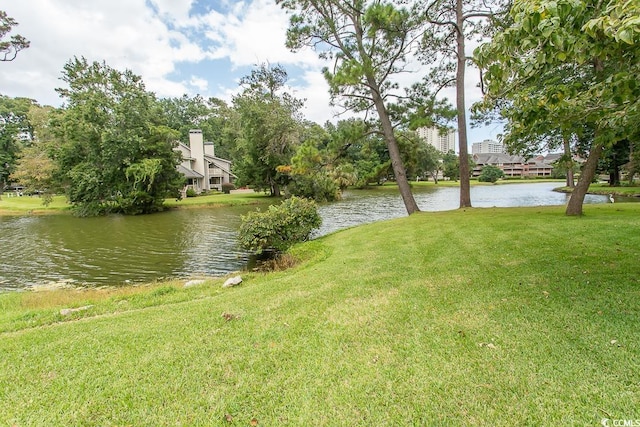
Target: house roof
[
  {"x": 223, "y": 164},
  {"x": 496, "y": 158},
  {"x": 189, "y": 173}
]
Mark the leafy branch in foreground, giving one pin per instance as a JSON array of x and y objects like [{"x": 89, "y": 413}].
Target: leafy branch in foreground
[{"x": 571, "y": 67}]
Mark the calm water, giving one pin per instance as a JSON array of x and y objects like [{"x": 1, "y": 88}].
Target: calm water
[{"x": 197, "y": 242}]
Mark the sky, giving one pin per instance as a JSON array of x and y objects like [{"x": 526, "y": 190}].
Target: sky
[{"x": 177, "y": 47}]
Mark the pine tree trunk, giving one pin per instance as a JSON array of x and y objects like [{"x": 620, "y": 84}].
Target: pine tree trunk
[
  {"x": 394, "y": 152},
  {"x": 574, "y": 207},
  {"x": 465, "y": 191}
]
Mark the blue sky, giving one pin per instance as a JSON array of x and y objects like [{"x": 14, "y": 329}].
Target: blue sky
[{"x": 177, "y": 46}]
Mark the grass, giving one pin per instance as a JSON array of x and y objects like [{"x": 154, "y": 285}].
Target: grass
[
  {"x": 219, "y": 199},
  {"x": 33, "y": 205},
  {"x": 512, "y": 316},
  {"x": 605, "y": 189}
]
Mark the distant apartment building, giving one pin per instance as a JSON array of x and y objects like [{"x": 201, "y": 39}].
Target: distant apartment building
[
  {"x": 487, "y": 146},
  {"x": 515, "y": 166},
  {"x": 444, "y": 142}
]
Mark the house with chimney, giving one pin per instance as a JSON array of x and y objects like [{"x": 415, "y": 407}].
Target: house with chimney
[{"x": 200, "y": 166}]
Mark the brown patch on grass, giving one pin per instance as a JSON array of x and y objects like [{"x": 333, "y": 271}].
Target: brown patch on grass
[
  {"x": 68, "y": 297},
  {"x": 280, "y": 263}
]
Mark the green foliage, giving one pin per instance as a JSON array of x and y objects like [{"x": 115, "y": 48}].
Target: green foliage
[
  {"x": 269, "y": 126},
  {"x": 343, "y": 175},
  {"x": 633, "y": 167},
  {"x": 191, "y": 192},
  {"x": 15, "y": 131},
  {"x": 310, "y": 174},
  {"x": 356, "y": 154},
  {"x": 318, "y": 186},
  {"x": 368, "y": 43},
  {"x": 619, "y": 21},
  {"x": 429, "y": 161},
  {"x": 116, "y": 155},
  {"x": 613, "y": 159},
  {"x": 35, "y": 169},
  {"x": 567, "y": 68},
  {"x": 280, "y": 226},
  {"x": 490, "y": 173},
  {"x": 451, "y": 166}
]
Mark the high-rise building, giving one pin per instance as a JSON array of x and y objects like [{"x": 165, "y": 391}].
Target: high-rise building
[
  {"x": 487, "y": 146},
  {"x": 444, "y": 142}
]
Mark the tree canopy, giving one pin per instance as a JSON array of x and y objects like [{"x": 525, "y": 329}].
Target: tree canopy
[
  {"x": 15, "y": 131},
  {"x": 116, "y": 155},
  {"x": 368, "y": 42},
  {"x": 449, "y": 25},
  {"x": 9, "y": 48},
  {"x": 568, "y": 65}
]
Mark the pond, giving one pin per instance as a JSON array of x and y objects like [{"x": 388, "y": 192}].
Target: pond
[{"x": 113, "y": 250}]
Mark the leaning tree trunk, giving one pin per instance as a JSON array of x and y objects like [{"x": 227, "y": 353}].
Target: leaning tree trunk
[
  {"x": 394, "y": 152},
  {"x": 465, "y": 191},
  {"x": 574, "y": 207}
]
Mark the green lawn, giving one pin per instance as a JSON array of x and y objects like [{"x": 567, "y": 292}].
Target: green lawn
[
  {"x": 605, "y": 189},
  {"x": 220, "y": 199},
  {"x": 33, "y": 204},
  {"x": 518, "y": 316}
]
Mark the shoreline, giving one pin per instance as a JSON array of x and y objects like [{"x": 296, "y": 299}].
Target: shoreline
[{"x": 605, "y": 191}]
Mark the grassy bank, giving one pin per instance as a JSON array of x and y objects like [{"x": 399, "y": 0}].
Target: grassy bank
[
  {"x": 33, "y": 205},
  {"x": 220, "y": 199},
  {"x": 12, "y": 205},
  {"x": 605, "y": 190},
  {"x": 478, "y": 317}
]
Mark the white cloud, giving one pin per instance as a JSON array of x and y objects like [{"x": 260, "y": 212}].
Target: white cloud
[
  {"x": 123, "y": 33},
  {"x": 174, "y": 9},
  {"x": 314, "y": 89},
  {"x": 254, "y": 33},
  {"x": 174, "y": 50},
  {"x": 199, "y": 83}
]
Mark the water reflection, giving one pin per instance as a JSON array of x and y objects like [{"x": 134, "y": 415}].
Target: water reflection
[
  {"x": 361, "y": 207},
  {"x": 191, "y": 242}
]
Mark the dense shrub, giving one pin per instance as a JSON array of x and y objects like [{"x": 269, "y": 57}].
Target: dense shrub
[
  {"x": 280, "y": 226},
  {"x": 490, "y": 174},
  {"x": 191, "y": 192},
  {"x": 227, "y": 187},
  {"x": 319, "y": 187}
]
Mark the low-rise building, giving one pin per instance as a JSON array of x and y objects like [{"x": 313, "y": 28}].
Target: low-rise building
[{"x": 515, "y": 166}]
